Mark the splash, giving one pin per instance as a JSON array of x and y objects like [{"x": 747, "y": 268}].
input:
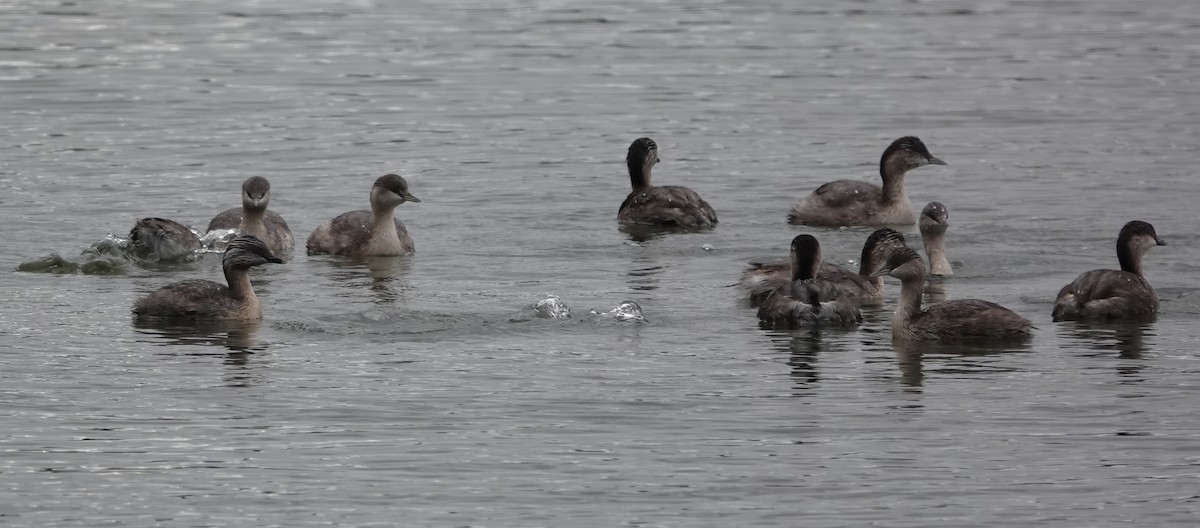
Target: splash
[
  {"x": 626, "y": 311},
  {"x": 552, "y": 307}
]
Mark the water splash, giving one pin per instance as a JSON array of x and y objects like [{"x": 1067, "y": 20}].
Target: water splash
[
  {"x": 552, "y": 307},
  {"x": 217, "y": 240},
  {"x": 113, "y": 254},
  {"x": 626, "y": 311}
]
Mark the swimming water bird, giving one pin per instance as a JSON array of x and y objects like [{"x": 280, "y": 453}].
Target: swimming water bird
[
  {"x": 806, "y": 299},
  {"x": 205, "y": 299},
  {"x": 668, "y": 205},
  {"x": 1108, "y": 295},
  {"x": 760, "y": 279},
  {"x": 934, "y": 221},
  {"x": 160, "y": 239},
  {"x": 855, "y": 203},
  {"x": 368, "y": 233},
  {"x": 949, "y": 320},
  {"x": 254, "y": 218}
]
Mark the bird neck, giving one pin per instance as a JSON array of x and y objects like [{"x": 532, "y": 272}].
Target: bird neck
[
  {"x": 639, "y": 176},
  {"x": 805, "y": 266},
  {"x": 239, "y": 283},
  {"x": 384, "y": 223},
  {"x": 910, "y": 298},
  {"x": 1130, "y": 259},
  {"x": 893, "y": 181},
  {"x": 252, "y": 222}
]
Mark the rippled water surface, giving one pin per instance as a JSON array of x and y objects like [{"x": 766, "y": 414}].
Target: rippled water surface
[{"x": 423, "y": 390}]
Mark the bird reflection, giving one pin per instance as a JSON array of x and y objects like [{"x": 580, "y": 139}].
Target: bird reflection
[
  {"x": 908, "y": 358},
  {"x": 643, "y": 274},
  {"x": 804, "y": 348},
  {"x": 385, "y": 273},
  {"x": 645, "y": 233},
  {"x": 1127, "y": 339},
  {"x": 383, "y": 276},
  {"x": 239, "y": 372},
  {"x": 803, "y": 351},
  {"x": 965, "y": 358},
  {"x": 238, "y": 336}
]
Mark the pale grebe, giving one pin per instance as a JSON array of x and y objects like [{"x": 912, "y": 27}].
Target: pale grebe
[
  {"x": 761, "y": 279},
  {"x": 806, "y": 299},
  {"x": 949, "y": 320},
  {"x": 161, "y": 239},
  {"x": 934, "y": 221},
  {"x": 368, "y": 233},
  {"x": 669, "y": 205},
  {"x": 205, "y": 299},
  {"x": 1105, "y": 294},
  {"x": 851, "y": 202},
  {"x": 254, "y": 218}
]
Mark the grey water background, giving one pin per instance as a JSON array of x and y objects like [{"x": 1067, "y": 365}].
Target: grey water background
[{"x": 420, "y": 391}]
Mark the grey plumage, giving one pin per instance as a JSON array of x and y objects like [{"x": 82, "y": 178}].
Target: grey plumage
[
  {"x": 668, "y": 205},
  {"x": 160, "y": 239},
  {"x": 760, "y": 279},
  {"x": 807, "y": 300},
  {"x": 935, "y": 219},
  {"x": 254, "y": 218},
  {"x": 365, "y": 233},
  {"x": 852, "y": 202}
]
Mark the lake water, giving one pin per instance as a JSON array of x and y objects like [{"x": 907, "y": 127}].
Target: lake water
[{"x": 421, "y": 391}]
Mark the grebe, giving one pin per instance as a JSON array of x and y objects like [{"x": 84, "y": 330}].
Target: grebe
[
  {"x": 934, "y": 221},
  {"x": 855, "y": 203},
  {"x": 368, "y": 233},
  {"x": 254, "y": 218},
  {"x": 806, "y": 299},
  {"x": 205, "y": 299},
  {"x": 1105, "y": 294},
  {"x": 161, "y": 239},
  {"x": 761, "y": 279},
  {"x": 669, "y": 205},
  {"x": 948, "y": 320}
]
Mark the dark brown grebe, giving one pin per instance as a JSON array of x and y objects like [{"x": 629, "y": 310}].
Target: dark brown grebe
[
  {"x": 1107, "y": 295},
  {"x": 762, "y": 278},
  {"x": 669, "y": 205},
  {"x": 807, "y": 300},
  {"x": 160, "y": 239},
  {"x": 855, "y": 203},
  {"x": 204, "y": 299},
  {"x": 949, "y": 320}
]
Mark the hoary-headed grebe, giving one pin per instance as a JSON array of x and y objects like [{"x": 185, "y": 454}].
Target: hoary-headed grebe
[
  {"x": 205, "y": 299},
  {"x": 948, "y": 320},
  {"x": 368, "y": 233},
  {"x": 807, "y": 300},
  {"x": 858, "y": 203},
  {"x": 1107, "y": 295},
  {"x": 934, "y": 221},
  {"x": 160, "y": 239},
  {"x": 762, "y": 278},
  {"x": 669, "y": 205},
  {"x": 254, "y": 218}
]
